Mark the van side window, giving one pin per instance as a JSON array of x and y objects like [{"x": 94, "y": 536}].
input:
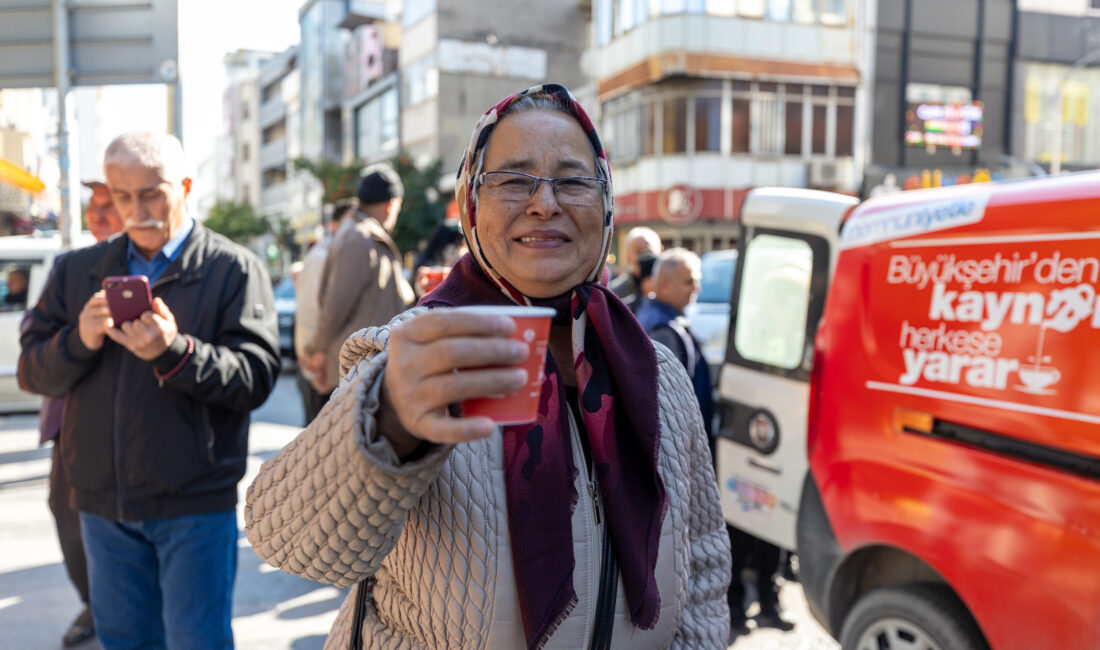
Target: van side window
[
  {"x": 14, "y": 283},
  {"x": 774, "y": 300}
]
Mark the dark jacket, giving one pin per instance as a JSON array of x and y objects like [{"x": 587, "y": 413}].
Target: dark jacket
[
  {"x": 670, "y": 327},
  {"x": 136, "y": 447}
]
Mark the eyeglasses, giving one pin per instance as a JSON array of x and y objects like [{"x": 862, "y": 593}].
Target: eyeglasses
[{"x": 517, "y": 186}]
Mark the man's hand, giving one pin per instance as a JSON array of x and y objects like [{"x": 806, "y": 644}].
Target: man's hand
[
  {"x": 315, "y": 363},
  {"x": 95, "y": 321},
  {"x": 149, "y": 335}
]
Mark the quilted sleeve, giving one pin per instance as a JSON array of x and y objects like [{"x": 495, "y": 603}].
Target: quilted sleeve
[
  {"x": 331, "y": 505},
  {"x": 705, "y": 620}
]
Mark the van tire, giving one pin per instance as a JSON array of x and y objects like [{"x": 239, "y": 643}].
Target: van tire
[{"x": 901, "y": 614}]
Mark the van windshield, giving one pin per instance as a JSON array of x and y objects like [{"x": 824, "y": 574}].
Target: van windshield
[{"x": 774, "y": 301}]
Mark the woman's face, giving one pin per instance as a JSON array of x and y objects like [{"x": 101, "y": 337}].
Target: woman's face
[{"x": 540, "y": 246}]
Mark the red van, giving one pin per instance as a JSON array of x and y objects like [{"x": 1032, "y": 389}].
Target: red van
[{"x": 952, "y": 420}]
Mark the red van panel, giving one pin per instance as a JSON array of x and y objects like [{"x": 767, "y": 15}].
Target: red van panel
[{"x": 959, "y": 410}]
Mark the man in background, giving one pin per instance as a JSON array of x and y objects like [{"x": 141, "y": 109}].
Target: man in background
[
  {"x": 102, "y": 219},
  {"x": 676, "y": 277},
  {"x": 101, "y": 216},
  {"x": 628, "y": 285},
  {"x": 307, "y": 286},
  {"x": 363, "y": 283},
  {"x": 154, "y": 434}
]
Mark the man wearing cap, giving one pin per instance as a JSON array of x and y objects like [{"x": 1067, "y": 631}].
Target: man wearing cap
[
  {"x": 102, "y": 219},
  {"x": 363, "y": 283},
  {"x": 101, "y": 216}
]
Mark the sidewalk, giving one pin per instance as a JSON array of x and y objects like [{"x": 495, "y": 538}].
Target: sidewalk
[{"x": 271, "y": 610}]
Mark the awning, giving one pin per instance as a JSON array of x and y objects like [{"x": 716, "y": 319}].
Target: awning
[{"x": 15, "y": 175}]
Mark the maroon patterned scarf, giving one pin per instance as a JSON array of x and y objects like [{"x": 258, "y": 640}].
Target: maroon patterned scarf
[{"x": 616, "y": 370}]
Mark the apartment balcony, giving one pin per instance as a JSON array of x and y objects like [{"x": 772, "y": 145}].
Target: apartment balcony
[
  {"x": 703, "y": 45},
  {"x": 272, "y": 111},
  {"x": 273, "y": 154}
]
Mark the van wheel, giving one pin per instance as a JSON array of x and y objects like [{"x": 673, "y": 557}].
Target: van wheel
[{"x": 911, "y": 617}]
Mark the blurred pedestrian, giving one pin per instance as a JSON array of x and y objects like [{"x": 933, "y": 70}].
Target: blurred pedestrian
[
  {"x": 628, "y": 285},
  {"x": 597, "y": 525},
  {"x": 154, "y": 434},
  {"x": 103, "y": 222},
  {"x": 18, "y": 281},
  {"x": 101, "y": 215},
  {"x": 676, "y": 278},
  {"x": 307, "y": 288},
  {"x": 362, "y": 283},
  {"x": 445, "y": 245},
  {"x": 764, "y": 560}
]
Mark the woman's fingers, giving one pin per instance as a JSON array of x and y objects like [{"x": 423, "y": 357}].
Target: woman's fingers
[
  {"x": 449, "y": 323},
  {"x": 446, "y": 355}
]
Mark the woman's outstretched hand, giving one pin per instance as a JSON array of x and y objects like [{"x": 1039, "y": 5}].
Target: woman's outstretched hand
[{"x": 440, "y": 358}]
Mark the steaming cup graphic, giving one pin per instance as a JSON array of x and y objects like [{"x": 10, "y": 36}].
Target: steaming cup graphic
[{"x": 1037, "y": 378}]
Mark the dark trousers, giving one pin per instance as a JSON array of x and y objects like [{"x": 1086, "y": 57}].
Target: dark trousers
[
  {"x": 312, "y": 401},
  {"x": 68, "y": 525},
  {"x": 749, "y": 551}
]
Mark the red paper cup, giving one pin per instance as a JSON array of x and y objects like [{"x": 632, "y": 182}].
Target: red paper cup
[
  {"x": 434, "y": 276},
  {"x": 533, "y": 328}
]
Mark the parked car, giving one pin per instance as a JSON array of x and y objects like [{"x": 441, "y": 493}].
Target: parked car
[
  {"x": 286, "y": 305},
  {"x": 24, "y": 260},
  {"x": 710, "y": 313}
]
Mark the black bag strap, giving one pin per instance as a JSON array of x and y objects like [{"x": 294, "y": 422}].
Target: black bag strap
[
  {"x": 363, "y": 593},
  {"x": 605, "y": 603}
]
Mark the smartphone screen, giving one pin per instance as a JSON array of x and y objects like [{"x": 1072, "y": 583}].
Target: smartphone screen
[{"x": 128, "y": 297}]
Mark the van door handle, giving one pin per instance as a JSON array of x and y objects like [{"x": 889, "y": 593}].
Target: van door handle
[{"x": 765, "y": 466}]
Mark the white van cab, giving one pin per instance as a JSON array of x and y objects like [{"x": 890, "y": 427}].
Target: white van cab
[{"x": 25, "y": 262}]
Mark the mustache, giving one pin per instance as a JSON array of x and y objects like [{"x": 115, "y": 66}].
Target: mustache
[{"x": 145, "y": 223}]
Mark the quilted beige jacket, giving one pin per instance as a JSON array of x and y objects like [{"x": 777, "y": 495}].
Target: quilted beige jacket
[{"x": 336, "y": 506}]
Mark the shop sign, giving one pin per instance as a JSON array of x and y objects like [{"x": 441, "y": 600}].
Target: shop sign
[{"x": 680, "y": 205}]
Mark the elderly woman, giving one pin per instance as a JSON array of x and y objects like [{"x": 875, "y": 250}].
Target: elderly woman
[{"x": 598, "y": 525}]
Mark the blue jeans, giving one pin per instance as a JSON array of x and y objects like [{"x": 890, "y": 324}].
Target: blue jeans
[{"x": 162, "y": 583}]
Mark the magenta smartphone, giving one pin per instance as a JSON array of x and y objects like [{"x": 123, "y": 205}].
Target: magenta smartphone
[{"x": 128, "y": 297}]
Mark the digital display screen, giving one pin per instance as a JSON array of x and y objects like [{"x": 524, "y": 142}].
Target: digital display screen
[{"x": 951, "y": 126}]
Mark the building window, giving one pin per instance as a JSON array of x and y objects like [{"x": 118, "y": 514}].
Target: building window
[
  {"x": 649, "y": 129},
  {"x": 674, "y": 125},
  {"x": 421, "y": 80},
  {"x": 246, "y": 152},
  {"x": 765, "y": 118},
  {"x": 376, "y": 126},
  {"x": 1094, "y": 4},
  {"x": 793, "y": 120},
  {"x": 779, "y": 10},
  {"x": 834, "y": 12},
  {"x": 708, "y": 124},
  {"x": 741, "y": 132},
  {"x": 845, "y": 120}
]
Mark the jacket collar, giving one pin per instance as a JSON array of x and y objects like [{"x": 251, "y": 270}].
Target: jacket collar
[{"x": 187, "y": 267}]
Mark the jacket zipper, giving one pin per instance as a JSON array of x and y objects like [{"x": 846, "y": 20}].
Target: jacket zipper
[
  {"x": 594, "y": 550},
  {"x": 120, "y": 480},
  {"x": 120, "y": 477}
]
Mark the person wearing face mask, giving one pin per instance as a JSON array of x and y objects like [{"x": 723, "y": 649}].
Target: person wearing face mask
[
  {"x": 598, "y": 525},
  {"x": 639, "y": 244}
]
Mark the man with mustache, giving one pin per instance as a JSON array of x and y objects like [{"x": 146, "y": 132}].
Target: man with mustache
[{"x": 154, "y": 434}]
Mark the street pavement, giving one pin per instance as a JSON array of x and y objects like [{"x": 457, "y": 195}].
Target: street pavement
[{"x": 272, "y": 610}]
